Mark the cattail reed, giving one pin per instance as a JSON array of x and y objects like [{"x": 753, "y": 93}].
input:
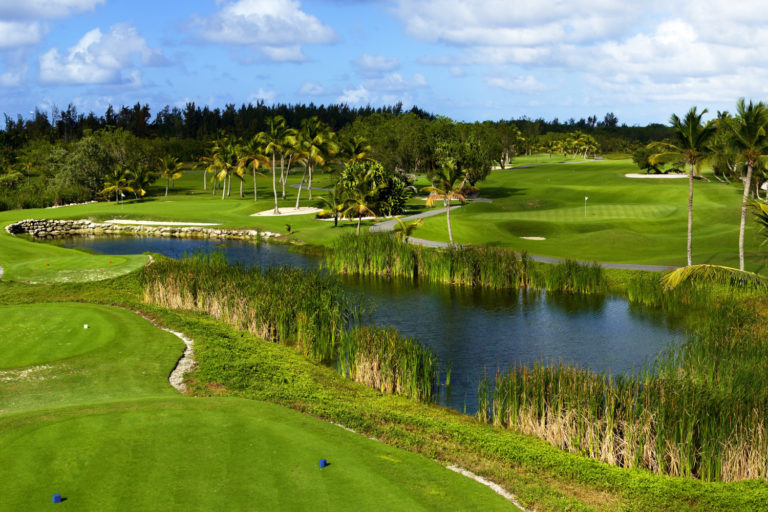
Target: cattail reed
[
  {"x": 306, "y": 309},
  {"x": 700, "y": 412}
]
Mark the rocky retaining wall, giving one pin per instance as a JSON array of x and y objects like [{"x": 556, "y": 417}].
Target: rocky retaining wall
[{"x": 48, "y": 229}]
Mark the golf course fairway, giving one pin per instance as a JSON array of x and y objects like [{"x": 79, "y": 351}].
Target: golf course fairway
[{"x": 88, "y": 413}]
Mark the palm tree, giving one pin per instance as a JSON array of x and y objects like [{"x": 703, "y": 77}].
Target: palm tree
[
  {"x": 118, "y": 180},
  {"x": 170, "y": 169},
  {"x": 141, "y": 180},
  {"x": 318, "y": 145},
  {"x": 275, "y": 139},
  {"x": 226, "y": 163},
  {"x": 252, "y": 155},
  {"x": 751, "y": 141},
  {"x": 691, "y": 145},
  {"x": 360, "y": 194},
  {"x": 334, "y": 203},
  {"x": 404, "y": 231},
  {"x": 447, "y": 184},
  {"x": 720, "y": 274},
  {"x": 355, "y": 149}
]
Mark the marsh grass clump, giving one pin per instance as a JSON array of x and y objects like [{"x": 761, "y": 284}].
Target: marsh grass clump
[
  {"x": 574, "y": 277},
  {"x": 699, "y": 412},
  {"x": 305, "y": 309},
  {"x": 383, "y": 254},
  {"x": 383, "y": 359}
]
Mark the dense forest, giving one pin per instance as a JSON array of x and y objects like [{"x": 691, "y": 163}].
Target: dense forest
[{"x": 67, "y": 156}]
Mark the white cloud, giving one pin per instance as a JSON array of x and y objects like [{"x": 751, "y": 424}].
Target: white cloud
[
  {"x": 387, "y": 89},
  {"x": 516, "y": 22},
  {"x": 267, "y": 96},
  {"x": 312, "y": 89},
  {"x": 369, "y": 64},
  {"x": 277, "y": 27},
  {"x": 19, "y": 33},
  {"x": 396, "y": 82},
  {"x": 99, "y": 58},
  {"x": 525, "y": 84},
  {"x": 44, "y": 9},
  {"x": 357, "y": 96},
  {"x": 13, "y": 78}
]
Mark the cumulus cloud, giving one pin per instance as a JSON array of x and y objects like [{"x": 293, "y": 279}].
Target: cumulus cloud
[
  {"x": 267, "y": 96},
  {"x": 44, "y": 9},
  {"x": 369, "y": 64},
  {"x": 386, "y": 89},
  {"x": 20, "y": 33},
  {"x": 100, "y": 58},
  {"x": 357, "y": 96},
  {"x": 312, "y": 89},
  {"x": 277, "y": 27}
]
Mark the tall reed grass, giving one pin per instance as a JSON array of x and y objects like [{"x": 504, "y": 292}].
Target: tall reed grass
[
  {"x": 306, "y": 309},
  {"x": 383, "y": 254},
  {"x": 699, "y": 412}
]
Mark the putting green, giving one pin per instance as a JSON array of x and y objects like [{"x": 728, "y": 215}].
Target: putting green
[{"x": 41, "y": 333}]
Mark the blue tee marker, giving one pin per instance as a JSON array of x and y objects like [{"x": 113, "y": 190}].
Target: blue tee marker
[
  {"x": 57, "y": 498},
  {"x": 323, "y": 463}
]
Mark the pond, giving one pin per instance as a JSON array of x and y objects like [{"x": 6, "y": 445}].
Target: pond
[{"x": 478, "y": 331}]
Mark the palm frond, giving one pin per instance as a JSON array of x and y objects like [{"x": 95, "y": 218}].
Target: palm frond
[{"x": 714, "y": 274}]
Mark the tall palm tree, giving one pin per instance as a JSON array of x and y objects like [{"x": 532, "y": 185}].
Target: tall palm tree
[
  {"x": 275, "y": 139},
  {"x": 318, "y": 143},
  {"x": 252, "y": 155},
  {"x": 226, "y": 164},
  {"x": 118, "y": 181},
  {"x": 691, "y": 145},
  {"x": 447, "y": 183},
  {"x": 751, "y": 141},
  {"x": 170, "y": 169},
  {"x": 360, "y": 194}
]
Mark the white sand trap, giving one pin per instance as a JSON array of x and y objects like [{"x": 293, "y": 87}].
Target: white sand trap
[
  {"x": 655, "y": 176},
  {"x": 158, "y": 223},
  {"x": 304, "y": 210},
  {"x": 533, "y": 238}
]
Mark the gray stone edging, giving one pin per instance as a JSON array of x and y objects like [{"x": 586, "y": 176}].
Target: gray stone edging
[{"x": 60, "y": 228}]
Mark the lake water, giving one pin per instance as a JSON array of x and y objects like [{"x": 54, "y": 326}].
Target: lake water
[{"x": 478, "y": 331}]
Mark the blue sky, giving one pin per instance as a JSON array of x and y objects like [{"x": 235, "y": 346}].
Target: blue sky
[{"x": 469, "y": 60}]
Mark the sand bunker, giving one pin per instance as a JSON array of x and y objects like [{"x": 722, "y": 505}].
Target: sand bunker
[
  {"x": 304, "y": 210},
  {"x": 533, "y": 238},
  {"x": 655, "y": 176}
]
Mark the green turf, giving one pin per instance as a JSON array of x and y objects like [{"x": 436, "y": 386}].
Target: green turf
[
  {"x": 217, "y": 454},
  {"x": 51, "y": 332},
  {"x": 627, "y": 220},
  {"x": 99, "y": 423}
]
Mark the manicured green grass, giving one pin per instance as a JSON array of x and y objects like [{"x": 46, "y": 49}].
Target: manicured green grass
[
  {"x": 626, "y": 221},
  {"x": 97, "y": 421},
  {"x": 216, "y": 454},
  {"x": 51, "y": 332}
]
